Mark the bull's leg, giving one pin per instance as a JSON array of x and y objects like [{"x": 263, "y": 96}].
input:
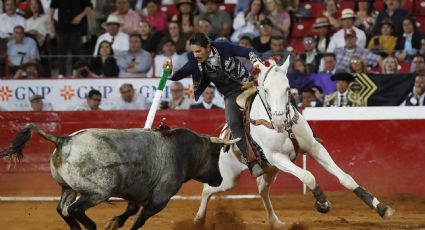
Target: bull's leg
[
  {"x": 264, "y": 182},
  {"x": 155, "y": 205},
  {"x": 230, "y": 169},
  {"x": 68, "y": 196},
  {"x": 78, "y": 208},
  {"x": 283, "y": 162},
  {"x": 322, "y": 156},
  {"x": 118, "y": 221}
]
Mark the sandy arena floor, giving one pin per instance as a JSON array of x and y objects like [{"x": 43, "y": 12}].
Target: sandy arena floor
[{"x": 296, "y": 211}]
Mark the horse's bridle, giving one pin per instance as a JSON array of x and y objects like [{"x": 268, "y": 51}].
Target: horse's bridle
[{"x": 289, "y": 122}]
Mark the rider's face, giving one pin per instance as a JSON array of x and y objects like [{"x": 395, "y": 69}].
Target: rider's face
[{"x": 201, "y": 54}]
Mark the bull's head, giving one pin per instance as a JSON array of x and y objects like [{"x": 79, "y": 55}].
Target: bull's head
[{"x": 211, "y": 170}]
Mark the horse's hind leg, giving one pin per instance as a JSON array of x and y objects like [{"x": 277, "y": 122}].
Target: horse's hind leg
[
  {"x": 68, "y": 196},
  {"x": 322, "y": 156},
  {"x": 230, "y": 169},
  {"x": 283, "y": 162},
  {"x": 264, "y": 182},
  {"x": 118, "y": 221}
]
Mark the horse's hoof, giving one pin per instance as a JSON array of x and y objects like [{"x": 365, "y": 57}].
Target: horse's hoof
[
  {"x": 385, "y": 211},
  {"x": 323, "y": 207},
  {"x": 277, "y": 224},
  {"x": 198, "y": 221},
  {"x": 113, "y": 224}
]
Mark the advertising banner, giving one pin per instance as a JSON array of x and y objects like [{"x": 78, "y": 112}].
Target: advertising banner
[{"x": 67, "y": 94}]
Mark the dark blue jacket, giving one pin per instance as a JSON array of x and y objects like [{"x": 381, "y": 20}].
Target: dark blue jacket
[{"x": 229, "y": 63}]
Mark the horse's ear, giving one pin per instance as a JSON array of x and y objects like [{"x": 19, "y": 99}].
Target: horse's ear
[{"x": 285, "y": 65}]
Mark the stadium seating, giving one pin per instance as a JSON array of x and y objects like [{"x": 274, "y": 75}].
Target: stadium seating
[
  {"x": 300, "y": 29},
  {"x": 315, "y": 8}
]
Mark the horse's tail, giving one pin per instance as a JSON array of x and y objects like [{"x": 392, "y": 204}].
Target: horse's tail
[{"x": 16, "y": 147}]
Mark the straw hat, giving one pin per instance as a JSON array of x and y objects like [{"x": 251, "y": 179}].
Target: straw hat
[
  {"x": 347, "y": 13},
  {"x": 321, "y": 22}
]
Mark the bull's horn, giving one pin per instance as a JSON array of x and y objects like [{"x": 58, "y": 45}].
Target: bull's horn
[{"x": 223, "y": 141}]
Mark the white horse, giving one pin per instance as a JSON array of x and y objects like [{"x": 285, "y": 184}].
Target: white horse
[{"x": 272, "y": 101}]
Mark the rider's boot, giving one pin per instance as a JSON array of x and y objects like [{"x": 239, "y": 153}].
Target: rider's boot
[{"x": 255, "y": 168}]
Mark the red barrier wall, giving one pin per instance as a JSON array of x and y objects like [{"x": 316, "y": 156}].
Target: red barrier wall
[{"x": 384, "y": 156}]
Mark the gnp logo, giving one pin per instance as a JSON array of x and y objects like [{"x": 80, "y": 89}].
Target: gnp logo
[
  {"x": 67, "y": 92},
  {"x": 5, "y": 93}
]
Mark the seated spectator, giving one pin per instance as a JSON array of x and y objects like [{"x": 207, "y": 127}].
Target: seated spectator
[
  {"x": 156, "y": 18},
  {"x": 417, "y": 96},
  {"x": 204, "y": 26},
  {"x": 104, "y": 64},
  {"x": 21, "y": 50},
  {"x": 366, "y": 15},
  {"x": 221, "y": 21},
  {"x": 29, "y": 70},
  {"x": 10, "y": 19},
  {"x": 409, "y": 42},
  {"x": 393, "y": 12},
  {"x": 322, "y": 27},
  {"x": 175, "y": 33},
  {"x": 299, "y": 77},
  {"x": 186, "y": 15},
  {"x": 178, "y": 99},
  {"x": 279, "y": 18},
  {"x": 207, "y": 99},
  {"x": 38, "y": 22},
  {"x": 318, "y": 94},
  {"x": 310, "y": 55},
  {"x": 347, "y": 21},
  {"x": 168, "y": 51},
  {"x": 329, "y": 63},
  {"x": 130, "y": 99},
  {"x": 248, "y": 21},
  {"x": 422, "y": 50},
  {"x": 389, "y": 65},
  {"x": 119, "y": 40},
  {"x": 245, "y": 41},
  {"x": 308, "y": 99},
  {"x": 343, "y": 55},
  {"x": 262, "y": 43},
  {"x": 357, "y": 65},
  {"x": 82, "y": 70},
  {"x": 149, "y": 37},
  {"x": 134, "y": 62},
  {"x": 37, "y": 104},
  {"x": 331, "y": 12},
  {"x": 129, "y": 18},
  {"x": 94, "y": 98},
  {"x": 340, "y": 98},
  {"x": 385, "y": 42},
  {"x": 278, "y": 51},
  {"x": 418, "y": 65}
]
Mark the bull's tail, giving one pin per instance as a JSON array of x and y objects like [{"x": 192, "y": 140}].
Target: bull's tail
[{"x": 16, "y": 147}]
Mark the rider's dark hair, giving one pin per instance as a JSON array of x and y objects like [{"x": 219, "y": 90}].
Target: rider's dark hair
[{"x": 199, "y": 39}]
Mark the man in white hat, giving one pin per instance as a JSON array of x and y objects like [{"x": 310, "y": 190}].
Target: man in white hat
[
  {"x": 119, "y": 40},
  {"x": 347, "y": 21}
]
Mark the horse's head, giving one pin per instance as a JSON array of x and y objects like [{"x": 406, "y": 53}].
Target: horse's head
[{"x": 273, "y": 87}]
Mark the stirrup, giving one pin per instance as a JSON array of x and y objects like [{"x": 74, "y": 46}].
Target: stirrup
[{"x": 255, "y": 169}]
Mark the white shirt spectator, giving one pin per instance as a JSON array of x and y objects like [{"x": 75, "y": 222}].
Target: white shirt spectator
[
  {"x": 338, "y": 41},
  {"x": 139, "y": 103},
  {"x": 241, "y": 27},
  {"x": 84, "y": 107},
  {"x": 39, "y": 25},
  {"x": 8, "y": 23},
  {"x": 120, "y": 42},
  {"x": 160, "y": 59}
]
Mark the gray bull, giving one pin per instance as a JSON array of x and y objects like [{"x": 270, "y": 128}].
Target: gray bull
[{"x": 145, "y": 167}]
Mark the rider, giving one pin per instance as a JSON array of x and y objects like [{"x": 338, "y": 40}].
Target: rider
[{"x": 216, "y": 62}]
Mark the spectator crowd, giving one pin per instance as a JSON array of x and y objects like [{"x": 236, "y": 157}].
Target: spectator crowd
[{"x": 134, "y": 38}]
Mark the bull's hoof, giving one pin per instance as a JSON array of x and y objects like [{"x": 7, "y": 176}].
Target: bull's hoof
[
  {"x": 277, "y": 224},
  {"x": 385, "y": 211},
  {"x": 113, "y": 224},
  {"x": 323, "y": 207},
  {"x": 199, "y": 221}
]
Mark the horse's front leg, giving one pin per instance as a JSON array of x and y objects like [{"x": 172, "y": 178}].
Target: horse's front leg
[
  {"x": 264, "y": 182},
  {"x": 319, "y": 153},
  {"x": 282, "y": 162}
]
